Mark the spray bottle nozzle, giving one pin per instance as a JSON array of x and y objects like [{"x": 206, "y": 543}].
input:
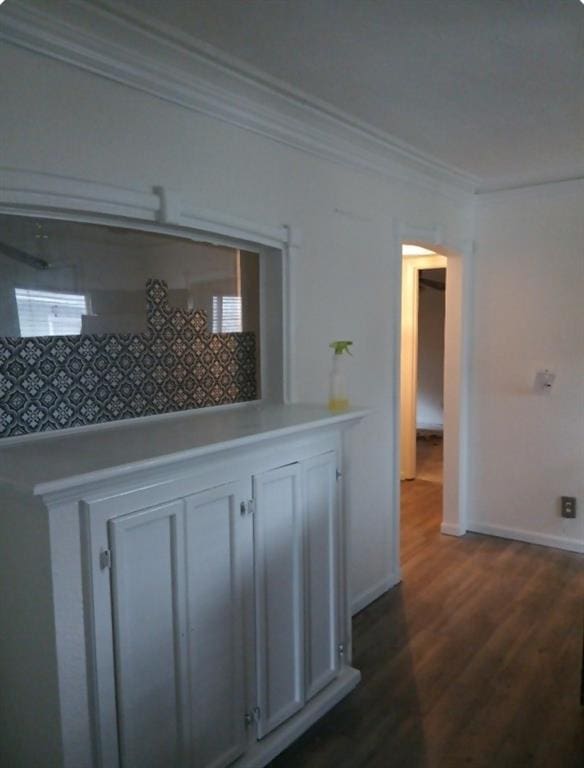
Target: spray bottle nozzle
[{"x": 341, "y": 346}]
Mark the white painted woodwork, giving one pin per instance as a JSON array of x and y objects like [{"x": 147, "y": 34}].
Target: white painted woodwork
[
  {"x": 210, "y": 85},
  {"x": 457, "y": 337},
  {"x": 60, "y": 196},
  {"x": 321, "y": 571},
  {"x": 279, "y": 583},
  {"x": 177, "y": 601},
  {"x": 407, "y": 56},
  {"x": 58, "y": 463},
  {"x": 215, "y": 543},
  {"x": 148, "y": 596},
  {"x": 179, "y": 642}
]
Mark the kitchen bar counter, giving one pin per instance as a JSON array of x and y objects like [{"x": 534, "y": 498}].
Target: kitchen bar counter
[{"x": 52, "y": 462}]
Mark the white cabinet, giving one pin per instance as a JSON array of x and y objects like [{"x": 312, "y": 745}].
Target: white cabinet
[
  {"x": 177, "y": 573},
  {"x": 321, "y": 558},
  {"x": 217, "y": 545},
  {"x": 279, "y": 594},
  {"x": 296, "y": 583},
  {"x": 197, "y": 598},
  {"x": 150, "y": 623}
]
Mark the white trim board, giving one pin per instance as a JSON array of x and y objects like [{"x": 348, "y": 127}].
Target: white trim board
[
  {"x": 125, "y": 46},
  {"x": 52, "y": 194},
  {"x": 450, "y": 529},
  {"x": 529, "y": 537},
  {"x": 362, "y": 600}
]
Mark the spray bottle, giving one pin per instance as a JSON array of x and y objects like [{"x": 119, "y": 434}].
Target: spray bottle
[{"x": 338, "y": 399}]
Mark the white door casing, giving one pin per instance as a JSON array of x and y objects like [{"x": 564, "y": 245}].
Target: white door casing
[{"x": 456, "y": 380}]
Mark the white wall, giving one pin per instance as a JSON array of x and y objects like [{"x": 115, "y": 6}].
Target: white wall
[
  {"x": 346, "y": 276},
  {"x": 431, "y": 316},
  {"x": 72, "y": 123},
  {"x": 527, "y": 448}
]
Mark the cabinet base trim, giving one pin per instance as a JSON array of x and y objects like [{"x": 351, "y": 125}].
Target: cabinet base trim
[
  {"x": 369, "y": 595},
  {"x": 262, "y": 752}
]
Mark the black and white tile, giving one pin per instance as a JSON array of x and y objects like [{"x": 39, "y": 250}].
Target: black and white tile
[{"x": 51, "y": 383}]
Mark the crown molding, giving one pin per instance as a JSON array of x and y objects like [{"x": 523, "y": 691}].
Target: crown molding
[
  {"x": 124, "y": 46},
  {"x": 528, "y": 183}
]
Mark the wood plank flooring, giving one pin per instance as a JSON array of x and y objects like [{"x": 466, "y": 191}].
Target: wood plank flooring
[{"x": 473, "y": 660}]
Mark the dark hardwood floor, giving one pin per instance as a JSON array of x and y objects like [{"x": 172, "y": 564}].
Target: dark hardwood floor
[{"x": 473, "y": 660}]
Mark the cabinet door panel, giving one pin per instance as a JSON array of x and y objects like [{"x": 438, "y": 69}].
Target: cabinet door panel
[
  {"x": 279, "y": 595},
  {"x": 149, "y": 629},
  {"x": 321, "y": 576},
  {"x": 216, "y": 545}
]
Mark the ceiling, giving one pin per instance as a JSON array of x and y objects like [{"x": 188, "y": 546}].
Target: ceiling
[{"x": 494, "y": 88}]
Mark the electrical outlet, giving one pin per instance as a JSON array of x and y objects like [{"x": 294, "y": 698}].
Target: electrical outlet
[{"x": 568, "y": 506}]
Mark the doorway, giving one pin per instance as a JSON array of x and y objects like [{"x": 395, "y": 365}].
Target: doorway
[
  {"x": 458, "y": 258},
  {"x": 430, "y": 369},
  {"x": 422, "y": 365},
  {"x": 429, "y": 405},
  {"x": 422, "y": 423}
]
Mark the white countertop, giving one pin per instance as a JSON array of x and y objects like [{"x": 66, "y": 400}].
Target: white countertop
[{"x": 58, "y": 461}]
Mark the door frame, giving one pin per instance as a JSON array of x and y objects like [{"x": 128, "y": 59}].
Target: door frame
[
  {"x": 411, "y": 268},
  {"x": 459, "y": 256}
]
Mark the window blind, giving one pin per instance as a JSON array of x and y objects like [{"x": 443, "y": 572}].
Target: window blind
[
  {"x": 45, "y": 313},
  {"x": 226, "y": 314}
]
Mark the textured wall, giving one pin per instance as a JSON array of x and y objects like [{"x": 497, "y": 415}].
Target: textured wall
[{"x": 53, "y": 382}]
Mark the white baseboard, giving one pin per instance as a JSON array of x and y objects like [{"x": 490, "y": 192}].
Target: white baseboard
[
  {"x": 530, "y": 537},
  {"x": 369, "y": 595},
  {"x": 451, "y": 529}
]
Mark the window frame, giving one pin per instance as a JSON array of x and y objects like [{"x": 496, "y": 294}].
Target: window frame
[{"x": 49, "y": 196}]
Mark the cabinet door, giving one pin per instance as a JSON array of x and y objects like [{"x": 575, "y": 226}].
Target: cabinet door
[
  {"x": 148, "y": 593},
  {"x": 278, "y": 537},
  {"x": 177, "y": 573},
  {"x": 219, "y": 541},
  {"x": 321, "y": 571}
]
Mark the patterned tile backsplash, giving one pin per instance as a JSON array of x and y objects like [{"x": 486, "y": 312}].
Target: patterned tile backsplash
[{"x": 53, "y": 382}]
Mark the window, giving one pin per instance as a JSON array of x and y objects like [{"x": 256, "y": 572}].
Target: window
[
  {"x": 226, "y": 314},
  {"x": 61, "y": 277},
  {"x": 45, "y": 313}
]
